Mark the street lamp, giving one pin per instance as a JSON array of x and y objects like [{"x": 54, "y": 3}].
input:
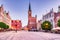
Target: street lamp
[
  {"x": 46, "y": 25},
  {"x": 16, "y": 28}
]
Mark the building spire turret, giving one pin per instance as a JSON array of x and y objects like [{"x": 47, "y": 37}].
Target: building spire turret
[
  {"x": 51, "y": 10},
  {"x": 29, "y": 6},
  {"x": 29, "y": 10},
  {"x": 58, "y": 8}
]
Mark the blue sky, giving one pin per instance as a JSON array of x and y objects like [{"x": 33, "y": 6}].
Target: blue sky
[{"x": 19, "y": 8}]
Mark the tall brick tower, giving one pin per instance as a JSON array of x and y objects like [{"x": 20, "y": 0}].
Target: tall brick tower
[
  {"x": 29, "y": 14},
  {"x": 29, "y": 11},
  {"x": 31, "y": 20}
]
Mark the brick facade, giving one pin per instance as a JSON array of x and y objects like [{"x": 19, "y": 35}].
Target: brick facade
[
  {"x": 32, "y": 24},
  {"x": 16, "y": 24}
]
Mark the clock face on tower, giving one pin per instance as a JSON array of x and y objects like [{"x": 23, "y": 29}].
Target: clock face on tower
[{"x": 29, "y": 13}]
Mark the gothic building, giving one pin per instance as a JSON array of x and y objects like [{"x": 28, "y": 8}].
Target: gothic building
[
  {"x": 53, "y": 17},
  {"x": 32, "y": 23},
  {"x": 4, "y": 16}
]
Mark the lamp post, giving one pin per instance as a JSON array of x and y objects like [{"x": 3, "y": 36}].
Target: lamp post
[
  {"x": 46, "y": 26},
  {"x": 16, "y": 28}
]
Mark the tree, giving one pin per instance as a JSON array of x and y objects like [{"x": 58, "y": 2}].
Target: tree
[
  {"x": 58, "y": 23},
  {"x": 46, "y": 25},
  {"x": 3, "y": 25},
  {"x": 7, "y": 26}
]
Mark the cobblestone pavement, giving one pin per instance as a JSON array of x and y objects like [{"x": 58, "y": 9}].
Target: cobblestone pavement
[{"x": 25, "y": 35}]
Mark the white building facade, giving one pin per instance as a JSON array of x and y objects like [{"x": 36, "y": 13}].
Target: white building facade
[
  {"x": 52, "y": 17},
  {"x": 39, "y": 24}
]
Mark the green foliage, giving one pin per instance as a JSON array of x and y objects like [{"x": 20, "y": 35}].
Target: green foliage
[
  {"x": 7, "y": 27},
  {"x": 3, "y": 25},
  {"x": 58, "y": 23},
  {"x": 46, "y": 25}
]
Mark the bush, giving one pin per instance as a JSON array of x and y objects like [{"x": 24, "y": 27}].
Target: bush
[
  {"x": 58, "y": 23},
  {"x": 46, "y": 25}
]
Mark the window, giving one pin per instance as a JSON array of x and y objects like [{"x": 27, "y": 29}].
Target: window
[{"x": 12, "y": 20}]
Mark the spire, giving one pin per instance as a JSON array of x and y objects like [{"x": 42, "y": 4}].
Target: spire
[
  {"x": 51, "y": 10},
  {"x": 58, "y": 8},
  {"x": 35, "y": 16},
  {"x": 2, "y": 5},
  {"x": 29, "y": 6}
]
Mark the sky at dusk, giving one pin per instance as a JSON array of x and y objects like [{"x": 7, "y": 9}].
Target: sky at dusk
[{"x": 19, "y": 8}]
